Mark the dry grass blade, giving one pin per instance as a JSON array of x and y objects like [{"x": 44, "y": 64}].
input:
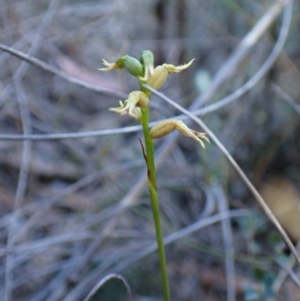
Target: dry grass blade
[
  {"x": 61, "y": 74},
  {"x": 284, "y": 30},
  {"x": 106, "y": 279},
  {"x": 230, "y": 67},
  {"x": 23, "y": 103},
  {"x": 287, "y": 98},
  {"x": 228, "y": 242},
  {"x": 290, "y": 272}
]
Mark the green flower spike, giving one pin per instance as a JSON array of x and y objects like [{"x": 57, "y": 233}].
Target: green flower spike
[
  {"x": 132, "y": 105},
  {"x": 167, "y": 126},
  {"x": 137, "y": 106}
]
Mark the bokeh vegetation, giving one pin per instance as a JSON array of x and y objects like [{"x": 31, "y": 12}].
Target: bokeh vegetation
[{"x": 75, "y": 210}]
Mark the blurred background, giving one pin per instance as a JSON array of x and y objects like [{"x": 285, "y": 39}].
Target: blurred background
[{"x": 75, "y": 210}]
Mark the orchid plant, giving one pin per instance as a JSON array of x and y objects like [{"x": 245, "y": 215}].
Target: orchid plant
[{"x": 137, "y": 106}]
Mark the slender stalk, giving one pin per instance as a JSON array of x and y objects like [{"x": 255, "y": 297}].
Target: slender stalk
[{"x": 154, "y": 199}]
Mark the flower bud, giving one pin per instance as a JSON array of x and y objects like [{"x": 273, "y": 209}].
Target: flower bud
[
  {"x": 147, "y": 60},
  {"x": 158, "y": 77},
  {"x": 133, "y": 66}
]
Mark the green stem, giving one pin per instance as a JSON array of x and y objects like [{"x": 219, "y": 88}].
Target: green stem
[{"x": 154, "y": 200}]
